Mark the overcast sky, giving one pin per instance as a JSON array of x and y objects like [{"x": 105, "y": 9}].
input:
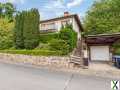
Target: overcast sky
[{"x": 53, "y": 8}]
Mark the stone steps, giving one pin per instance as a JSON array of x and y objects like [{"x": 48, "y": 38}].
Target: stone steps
[{"x": 76, "y": 60}]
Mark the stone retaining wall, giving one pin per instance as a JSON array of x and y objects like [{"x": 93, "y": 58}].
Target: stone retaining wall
[{"x": 37, "y": 60}]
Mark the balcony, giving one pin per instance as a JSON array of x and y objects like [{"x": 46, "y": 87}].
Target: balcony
[{"x": 48, "y": 30}]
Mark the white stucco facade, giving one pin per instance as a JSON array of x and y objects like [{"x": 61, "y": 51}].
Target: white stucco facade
[
  {"x": 76, "y": 27},
  {"x": 57, "y": 24}
]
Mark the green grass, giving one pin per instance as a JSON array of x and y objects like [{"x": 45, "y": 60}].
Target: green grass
[{"x": 33, "y": 52}]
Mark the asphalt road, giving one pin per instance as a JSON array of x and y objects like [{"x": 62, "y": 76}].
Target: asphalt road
[{"x": 16, "y": 77}]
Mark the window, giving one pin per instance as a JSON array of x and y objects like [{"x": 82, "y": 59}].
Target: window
[
  {"x": 65, "y": 22},
  {"x": 51, "y": 26},
  {"x": 47, "y": 26}
]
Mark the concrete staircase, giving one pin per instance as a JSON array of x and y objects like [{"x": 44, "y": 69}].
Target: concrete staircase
[{"x": 76, "y": 57}]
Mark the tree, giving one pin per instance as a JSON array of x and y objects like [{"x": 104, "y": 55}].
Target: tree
[
  {"x": 69, "y": 35},
  {"x": 1, "y": 7},
  {"x": 7, "y": 10},
  {"x": 6, "y": 34},
  {"x": 27, "y": 29},
  {"x": 103, "y": 17},
  {"x": 18, "y": 31},
  {"x": 31, "y": 29}
]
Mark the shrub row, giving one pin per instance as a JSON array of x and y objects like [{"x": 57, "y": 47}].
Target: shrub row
[
  {"x": 34, "y": 52},
  {"x": 61, "y": 45},
  {"x": 45, "y": 38}
]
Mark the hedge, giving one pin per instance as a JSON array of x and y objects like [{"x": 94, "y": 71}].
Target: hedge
[
  {"x": 45, "y": 38},
  {"x": 33, "y": 52},
  {"x": 61, "y": 45}
]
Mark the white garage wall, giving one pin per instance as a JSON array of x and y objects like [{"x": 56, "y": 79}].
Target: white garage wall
[{"x": 100, "y": 53}]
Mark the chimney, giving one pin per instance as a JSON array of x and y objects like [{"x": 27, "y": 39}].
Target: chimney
[{"x": 66, "y": 14}]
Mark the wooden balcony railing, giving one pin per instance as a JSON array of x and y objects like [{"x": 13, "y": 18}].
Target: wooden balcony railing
[{"x": 48, "y": 31}]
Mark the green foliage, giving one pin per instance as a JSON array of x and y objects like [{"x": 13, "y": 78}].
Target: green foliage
[
  {"x": 33, "y": 52},
  {"x": 45, "y": 38},
  {"x": 31, "y": 29},
  {"x": 117, "y": 51},
  {"x": 6, "y": 25},
  {"x": 43, "y": 46},
  {"x": 26, "y": 35},
  {"x": 64, "y": 41},
  {"x": 18, "y": 31},
  {"x": 7, "y": 10},
  {"x": 69, "y": 35},
  {"x": 59, "y": 45},
  {"x": 116, "y": 47},
  {"x": 103, "y": 17},
  {"x": 6, "y": 33},
  {"x": 27, "y": 29}
]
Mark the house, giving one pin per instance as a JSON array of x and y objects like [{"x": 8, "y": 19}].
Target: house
[
  {"x": 55, "y": 24},
  {"x": 93, "y": 47}
]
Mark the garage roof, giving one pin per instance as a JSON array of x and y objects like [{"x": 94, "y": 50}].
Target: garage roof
[{"x": 102, "y": 39}]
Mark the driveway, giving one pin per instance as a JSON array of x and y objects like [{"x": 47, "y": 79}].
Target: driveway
[{"x": 16, "y": 77}]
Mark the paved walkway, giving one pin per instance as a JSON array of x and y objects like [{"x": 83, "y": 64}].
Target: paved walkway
[
  {"x": 104, "y": 69},
  {"x": 100, "y": 66}
]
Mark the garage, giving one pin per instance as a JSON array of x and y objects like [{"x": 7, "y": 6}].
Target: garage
[
  {"x": 99, "y": 53},
  {"x": 99, "y": 47}
]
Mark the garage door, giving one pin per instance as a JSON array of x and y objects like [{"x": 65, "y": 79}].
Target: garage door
[{"x": 99, "y": 53}]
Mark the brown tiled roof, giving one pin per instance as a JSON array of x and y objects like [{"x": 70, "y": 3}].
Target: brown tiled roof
[
  {"x": 102, "y": 38},
  {"x": 65, "y": 17}
]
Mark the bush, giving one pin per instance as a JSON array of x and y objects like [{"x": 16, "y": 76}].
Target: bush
[
  {"x": 59, "y": 45},
  {"x": 33, "y": 52},
  {"x": 116, "y": 46},
  {"x": 18, "y": 31},
  {"x": 27, "y": 29},
  {"x": 69, "y": 35},
  {"x": 6, "y": 33},
  {"x": 5, "y": 43},
  {"x": 31, "y": 29},
  {"x": 43, "y": 46},
  {"x": 45, "y": 38},
  {"x": 117, "y": 51}
]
